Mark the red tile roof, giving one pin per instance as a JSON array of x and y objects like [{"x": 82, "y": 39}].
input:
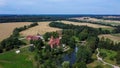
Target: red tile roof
[
  {"x": 54, "y": 41},
  {"x": 30, "y": 37}
]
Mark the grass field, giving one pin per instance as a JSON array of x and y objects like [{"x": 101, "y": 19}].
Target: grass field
[
  {"x": 12, "y": 60},
  {"x": 87, "y": 24},
  {"x": 96, "y": 63},
  {"x": 109, "y": 55},
  {"x": 7, "y": 28},
  {"x": 113, "y": 37},
  {"x": 42, "y": 28}
]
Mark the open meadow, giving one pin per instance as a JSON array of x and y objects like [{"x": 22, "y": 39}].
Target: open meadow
[
  {"x": 7, "y": 28},
  {"x": 12, "y": 60}
]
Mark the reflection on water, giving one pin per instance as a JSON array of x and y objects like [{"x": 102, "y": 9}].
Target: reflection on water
[{"x": 71, "y": 57}]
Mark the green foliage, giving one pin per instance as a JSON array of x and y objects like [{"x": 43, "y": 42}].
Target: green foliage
[
  {"x": 66, "y": 64},
  {"x": 83, "y": 35},
  {"x": 92, "y": 42},
  {"x": 108, "y": 55},
  {"x": 38, "y": 43},
  {"x": 103, "y": 55},
  {"x": 72, "y": 42},
  {"x": 108, "y": 44},
  {"x": 84, "y": 54},
  {"x": 10, "y": 43},
  {"x": 79, "y": 65},
  {"x": 13, "y": 41},
  {"x": 31, "y": 48},
  {"x": 98, "y": 66},
  {"x": 17, "y": 30},
  {"x": 118, "y": 57},
  {"x": 49, "y": 34}
]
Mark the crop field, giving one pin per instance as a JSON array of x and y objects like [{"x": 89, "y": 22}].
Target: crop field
[
  {"x": 7, "y": 28},
  {"x": 87, "y": 24},
  {"x": 112, "y": 22},
  {"x": 114, "y": 37},
  {"x": 42, "y": 28}
]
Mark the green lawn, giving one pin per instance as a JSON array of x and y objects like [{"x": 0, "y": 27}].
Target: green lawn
[
  {"x": 110, "y": 54},
  {"x": 12, "y": 60},
  {"x": 96, "y": 63},
  {"x": 109, "y": 29}
]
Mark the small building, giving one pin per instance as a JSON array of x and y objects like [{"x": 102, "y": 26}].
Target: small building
[
  {"x": 17, "y": 51},
  {"x": 30, "y": 37}
]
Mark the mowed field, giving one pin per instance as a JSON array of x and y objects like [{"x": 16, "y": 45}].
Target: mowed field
[
  {"x": 42, "y": 28},
  {"x": 87, "y": 24},
  {"x": 25, "y": 59},
  {"x": 115, "y": 38},
  {"x": 113, "y": 22},
  {"x": 7, "y": 28}
]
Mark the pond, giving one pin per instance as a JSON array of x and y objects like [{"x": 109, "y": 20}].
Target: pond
[{"x": 71, "y": 57}]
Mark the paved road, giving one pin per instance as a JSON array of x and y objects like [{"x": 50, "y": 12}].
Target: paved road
[{"x": 100, "y": 59}]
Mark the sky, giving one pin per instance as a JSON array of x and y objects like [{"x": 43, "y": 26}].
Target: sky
[{"x": 59, "y": 6}]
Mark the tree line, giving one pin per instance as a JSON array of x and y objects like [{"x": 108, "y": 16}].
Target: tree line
[
  {"x": 13, "y": 41},
  {"x": 29, "y": 18}
]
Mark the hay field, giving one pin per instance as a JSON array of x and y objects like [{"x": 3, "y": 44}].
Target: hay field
[
  {"x": 7, "y": 28},
  {"x": 87, "y": 24},
  {"x": 42, "y": 28},
  {"x": 113, "y": 22},
  {"x": 112, "y": 37}
]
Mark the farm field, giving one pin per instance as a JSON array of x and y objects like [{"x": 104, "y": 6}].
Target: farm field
[
  {"x": 87, "y": 24},
  {"x": 12, "y": 60},
  {"x": 7, "y": 28},
  {"x": 99, "y": 20},
  {"x": 113, "y": 37},
  {"x": 42, "y": 28}
]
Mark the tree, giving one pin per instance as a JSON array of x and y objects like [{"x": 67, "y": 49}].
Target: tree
[
  {"x": 79, "y": 65},
  {"x": 92, "y": 43},
  {"x": 10, "y": 43},
  {"x": 83, "y": 35},
  {"x": 98, "y": 66},
  {"x": 38, "y": 43},
  {"x": 118, "y": 57},
  {"x": 1, "y": 50},
  {"x": 84, "y": 54},
  {"x": 66, "y": 64},
  {"x": 72, "y": 42}
]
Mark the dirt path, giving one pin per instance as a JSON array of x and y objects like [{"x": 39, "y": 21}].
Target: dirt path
[{"x": 100, "y": 59}]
